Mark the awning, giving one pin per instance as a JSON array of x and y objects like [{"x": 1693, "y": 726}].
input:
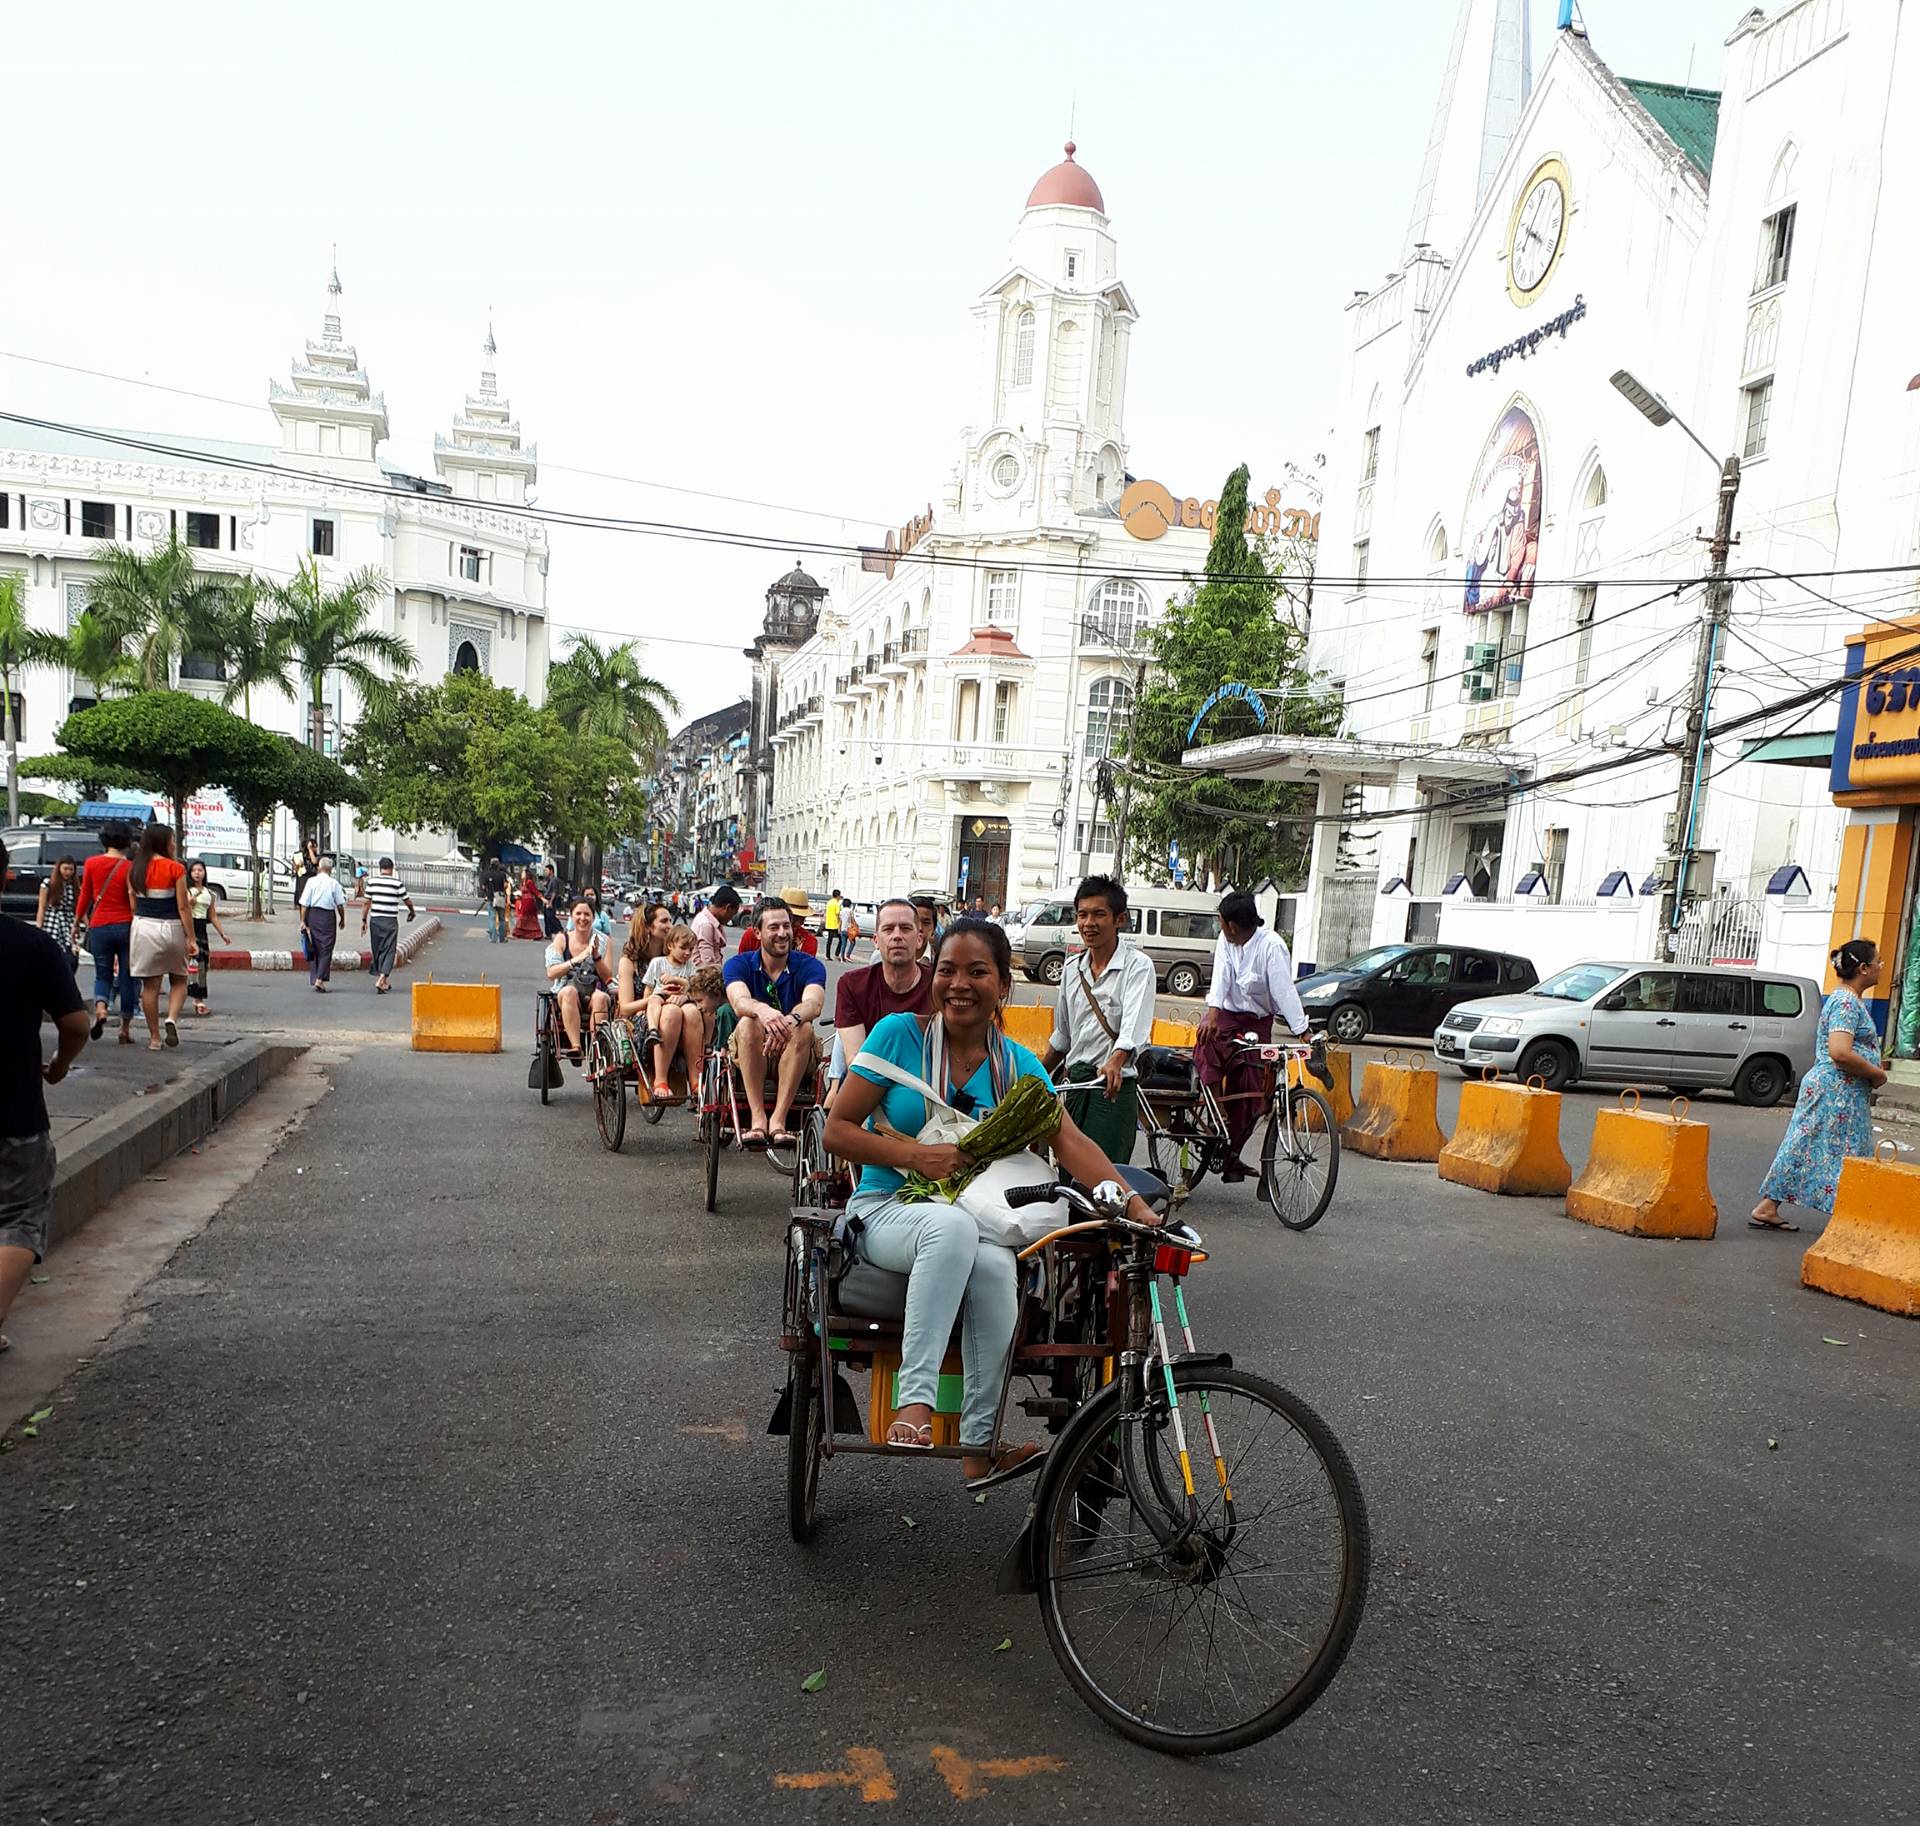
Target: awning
[
  {"x": 517, "y": 855},
  {"x": 1311, "y": 757},
  {"x": 98, "y": 811},
  {"x": 1814, "y": 750}
]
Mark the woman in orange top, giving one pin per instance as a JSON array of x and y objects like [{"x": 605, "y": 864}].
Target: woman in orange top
[{"x": 162, "y": 941}]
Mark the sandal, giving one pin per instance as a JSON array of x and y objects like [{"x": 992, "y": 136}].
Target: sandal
[
  {"x": 99, "y": 1026},
  {"x": 904, "y": 1436},
  {"x": 754, "y": 1138},
  {"x": 662, "y": 1091},
  {"x": 169, "y": 1032},
  {"x": 126, "y": 1035},
  {"x": 1770, "y": 1223},
  {"x": 1001, "y": 1458},
  {"x": 781, "y": 1138}
]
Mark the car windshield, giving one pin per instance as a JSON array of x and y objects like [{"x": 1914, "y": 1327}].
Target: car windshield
[
  {"x": 1029, "y": 913},
  {"x": 1372, "y": 960},
  {"x": 1579, "y": 984}
]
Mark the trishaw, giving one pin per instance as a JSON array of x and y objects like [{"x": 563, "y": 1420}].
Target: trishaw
[
  {"x": 723, "y": 1118},
  {"x": 1195, "y": 1610},
  {"x": 616, "y": 1063}
]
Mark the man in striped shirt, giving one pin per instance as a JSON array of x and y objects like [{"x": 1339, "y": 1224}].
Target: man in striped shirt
[{"x": 380, "y": 918}]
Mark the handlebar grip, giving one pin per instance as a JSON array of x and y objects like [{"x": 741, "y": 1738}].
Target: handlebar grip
[{"x": 1021, "y": 1196}]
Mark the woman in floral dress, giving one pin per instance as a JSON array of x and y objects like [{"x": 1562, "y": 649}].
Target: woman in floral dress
[{"x": 1831, "y": 1120}]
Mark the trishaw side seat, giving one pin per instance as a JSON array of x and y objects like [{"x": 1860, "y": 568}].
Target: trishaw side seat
[
  {"x": 1167, "y": 1069},
  {"x": 869, "y": 1292}
]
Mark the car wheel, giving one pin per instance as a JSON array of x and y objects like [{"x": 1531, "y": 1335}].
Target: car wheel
[
  {"x": 1183, "y": 979},
  {"x": 1551, "y": 1061},
  {"x": 219, "y": 893},
  {"x": 1761, "y": 1083},
  {"x": 1052, "y": 967},
  {"x": 1347, "y": 1024}
]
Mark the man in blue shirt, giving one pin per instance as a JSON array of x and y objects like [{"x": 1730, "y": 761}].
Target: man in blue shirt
[{"x": 777, "y": 994}]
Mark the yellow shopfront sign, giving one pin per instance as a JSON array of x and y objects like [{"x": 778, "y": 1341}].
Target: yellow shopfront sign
[
  {"x": 1148, "y": 510},
  {"x": 1877, "y": 747}
]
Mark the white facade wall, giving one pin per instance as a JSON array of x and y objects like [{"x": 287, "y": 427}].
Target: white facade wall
[
  {"x": 330, "y": 427},
  {"x": 1818, "y": 112}
]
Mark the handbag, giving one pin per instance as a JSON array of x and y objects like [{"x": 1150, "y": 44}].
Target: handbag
[{"x": 984, "y": 1197}]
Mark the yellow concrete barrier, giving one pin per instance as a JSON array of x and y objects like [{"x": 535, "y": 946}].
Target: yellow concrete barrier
[
  {"x": 456, "y": 1017},
  {"x": 1870, "y": 1249},
  {"x": 1646, "y": 1174},
  {"x": 1174, "y": 1033},
  {"x": 1507, "y": 1140},
  {"x": 1396, "y": 1117},
  {"x": 1340, "y": 1064},
  {"x": 1028, "y": 1022}
]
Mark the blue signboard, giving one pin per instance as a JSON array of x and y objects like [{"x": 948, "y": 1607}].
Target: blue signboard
[{"x": 1246, "y": 693}]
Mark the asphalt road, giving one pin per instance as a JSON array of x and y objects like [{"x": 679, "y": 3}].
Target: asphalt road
[{"x": 434, "y": 1486}]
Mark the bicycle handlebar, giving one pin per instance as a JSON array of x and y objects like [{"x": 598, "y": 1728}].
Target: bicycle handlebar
[{"x": 1019, "y": 1197}]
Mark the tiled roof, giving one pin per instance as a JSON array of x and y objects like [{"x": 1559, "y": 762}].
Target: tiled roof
[{"x": 1688, "y": 117}]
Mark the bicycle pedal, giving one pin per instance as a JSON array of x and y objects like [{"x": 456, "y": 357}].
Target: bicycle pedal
[{"x": 1046, "y": 1407}]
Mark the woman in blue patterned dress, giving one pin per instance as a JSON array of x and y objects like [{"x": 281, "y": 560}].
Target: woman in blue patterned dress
[{"x": 1831, "y": 1120}]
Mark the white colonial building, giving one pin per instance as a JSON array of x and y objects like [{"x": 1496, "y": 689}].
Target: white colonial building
[
  {"x": 466, "y": 574},
  {"x": 1517, "y": 535},
  {"x": 938, "y": 728}
]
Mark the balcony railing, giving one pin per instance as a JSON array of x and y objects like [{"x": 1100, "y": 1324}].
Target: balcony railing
[{"x": 913, "y": 643}]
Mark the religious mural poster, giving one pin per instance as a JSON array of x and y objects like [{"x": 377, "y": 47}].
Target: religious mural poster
[{"x": 1503, "y": 518}]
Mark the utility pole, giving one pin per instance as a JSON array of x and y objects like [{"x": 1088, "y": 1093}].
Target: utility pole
[
  {"x": 1686, "y": 804},
  {"x": 1126, "y": 779}
]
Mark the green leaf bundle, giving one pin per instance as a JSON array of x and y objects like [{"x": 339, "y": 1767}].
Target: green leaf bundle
[{"x": 1027, "y": 1115}]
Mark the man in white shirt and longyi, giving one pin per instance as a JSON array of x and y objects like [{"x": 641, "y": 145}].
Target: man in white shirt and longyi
[{"x": 1252, "y": 982}]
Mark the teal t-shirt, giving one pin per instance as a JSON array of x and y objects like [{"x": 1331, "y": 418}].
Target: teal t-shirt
[{"x": 897, "y": 1040}]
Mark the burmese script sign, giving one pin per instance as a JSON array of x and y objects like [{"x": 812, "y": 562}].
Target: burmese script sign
[
  {"x": 1148, "y": 510},
  {"x": 1878, "y": 743},
  {"x": 887, "y": 558}
]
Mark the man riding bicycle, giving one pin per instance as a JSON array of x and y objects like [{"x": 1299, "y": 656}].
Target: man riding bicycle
[{"x": 1252, "y": 982}]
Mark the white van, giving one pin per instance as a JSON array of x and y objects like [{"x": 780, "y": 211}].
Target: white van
[
  {"x": 228, "y": 874},
  {"x": 1175, "y": 927}
]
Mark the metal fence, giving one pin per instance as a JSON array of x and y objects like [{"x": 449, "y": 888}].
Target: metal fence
[
  {"x": 1724, "y": 930},
  {"x": 458, "y": 881}
]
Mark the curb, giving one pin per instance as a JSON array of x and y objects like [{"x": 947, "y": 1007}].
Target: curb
[
  {"x": 409, "y": 948},
  {"x": 121, "y": 1148}
]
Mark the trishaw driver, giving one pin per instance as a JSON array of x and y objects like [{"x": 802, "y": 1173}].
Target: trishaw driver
[
  {"x": 1252, "y": 982},
  {"x": 777, "y": 994}
]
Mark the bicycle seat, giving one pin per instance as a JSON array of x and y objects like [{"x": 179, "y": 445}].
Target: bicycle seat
[{"x": 1149, "y": 1186}]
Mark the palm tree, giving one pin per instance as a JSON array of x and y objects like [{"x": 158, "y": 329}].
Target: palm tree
[
  {"x": 598, "y": 690},
  {"x": 601, "y": 691},
  {"x": 22, "y": 646},
  {"x": 326, "y": 631},
  {"x": 98, "y": 656},
  {"x": 151, "y": 605},
  {"x": 247, "y": 630}
]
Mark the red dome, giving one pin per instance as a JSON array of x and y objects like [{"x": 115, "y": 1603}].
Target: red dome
[{"x": 1067, "y": 183}]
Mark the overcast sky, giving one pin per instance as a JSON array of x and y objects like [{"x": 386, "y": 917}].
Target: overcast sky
[{"x": 729, "y": 248}]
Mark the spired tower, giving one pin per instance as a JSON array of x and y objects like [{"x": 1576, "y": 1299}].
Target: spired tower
[
  {"x": 329, "y": 418},
  {"x": 793, "y": 615},
  {"x": 484, "y": 460},
  {"x": 1048, "y": 440},
  {"x": 1482, "y": 96}
]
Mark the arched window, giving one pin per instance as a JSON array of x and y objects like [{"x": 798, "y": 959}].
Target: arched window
[
  {"x": 465, "y": 658},
  {"x": 1118, "y": 612},
  {"x": 1437, "y": 549},
  {"x": 1109, "y": 700},
  {"x": 1596, "y": 494},
  {"x": 1023, "y": 350}
]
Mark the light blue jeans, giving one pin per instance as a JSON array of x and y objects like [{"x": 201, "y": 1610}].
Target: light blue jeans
[{"x": 951, "y": 1271}]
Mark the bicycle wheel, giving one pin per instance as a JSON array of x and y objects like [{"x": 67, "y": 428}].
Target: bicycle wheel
[
  {"x": 609, "y": 1095},
  {"x": 1300, "y": 1158},
  {"x": 1229, "y": 1634},
  {"x": 803, "y": 1444},
  {"x": 1179, "y": 1150},
  {"x": 549, "y": 1064}
]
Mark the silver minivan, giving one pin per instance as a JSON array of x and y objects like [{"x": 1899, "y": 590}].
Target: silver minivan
[
  {"x": 1176, "y": 928},
  {"x": 1684, "y": 1027}
]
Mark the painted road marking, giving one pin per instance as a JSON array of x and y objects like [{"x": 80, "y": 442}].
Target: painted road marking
[
  {"x": 967, "y": 1780},
  {"x": 866, "y": 1769}
]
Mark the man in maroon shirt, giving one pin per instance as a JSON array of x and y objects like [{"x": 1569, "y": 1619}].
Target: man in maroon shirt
[{"x": 898, "y": 984}]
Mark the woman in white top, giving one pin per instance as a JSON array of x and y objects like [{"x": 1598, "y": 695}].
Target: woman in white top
[{"x": 579, "y": 970}]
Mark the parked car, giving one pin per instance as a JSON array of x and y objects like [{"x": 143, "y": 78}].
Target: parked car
[
  {"x": 32, "y": 850},
  {"x": 1175, "y": 927},
  {"x": 1407, "y": 989},
  {"x": 229, "y": 877},
  {"x": 1681, "y": 1026}
]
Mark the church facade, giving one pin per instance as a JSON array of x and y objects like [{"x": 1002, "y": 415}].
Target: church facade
[{"x": 1511, "y": 561}]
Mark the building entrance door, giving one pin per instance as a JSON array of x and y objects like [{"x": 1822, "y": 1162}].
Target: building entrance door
[{"x": 983, "y": 850}]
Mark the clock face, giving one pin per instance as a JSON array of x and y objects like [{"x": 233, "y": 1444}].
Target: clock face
[{"x": 1537, "y": 232}]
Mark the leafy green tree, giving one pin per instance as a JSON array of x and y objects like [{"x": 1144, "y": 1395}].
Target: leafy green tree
[
  {"x": 291, "y": 774},
  {"x": 600, "y": 691},
  {"x": 326, "y": 631},
  {"x": 22, "y": 647},
  {"x": 99, "y": 656},
  {"x": 1229, "y": 627},
  {"x": 151, "y": 606},
  {"x": 162, "y": 741}
]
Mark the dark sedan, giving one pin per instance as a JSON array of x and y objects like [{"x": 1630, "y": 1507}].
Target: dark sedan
[{"x": 1407, "y": 989}]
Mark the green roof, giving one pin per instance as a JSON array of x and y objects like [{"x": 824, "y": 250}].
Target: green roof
[{"x": 1689, "y": 117}]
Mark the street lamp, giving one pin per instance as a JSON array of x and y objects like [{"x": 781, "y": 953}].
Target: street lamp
[
  {"x": 1686, "y": 806},
  {"x": 1089, "y": 626}
]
